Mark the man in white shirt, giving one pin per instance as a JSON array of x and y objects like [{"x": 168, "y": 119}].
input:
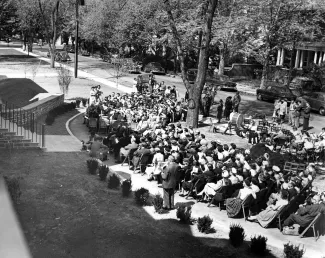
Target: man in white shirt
[{"x": 283, "y": 109}]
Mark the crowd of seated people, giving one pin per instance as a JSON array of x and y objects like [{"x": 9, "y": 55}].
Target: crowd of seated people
[{"x": 207, "y": 168}]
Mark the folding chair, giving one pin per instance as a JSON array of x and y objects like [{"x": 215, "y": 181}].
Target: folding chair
[
  {"x": 92, "y": 124},
  {"x": 247, "y": 121},
  {"x": 287, "y": 167},
  {"x": 246, "y": 203},
  {"x": 129, "y": 157},
  {"x": 311, "y": 154},
  {"x": 312, "y": 225},
  {"x": 261, "y": 123},
  {"x": 103, "y": 125}
]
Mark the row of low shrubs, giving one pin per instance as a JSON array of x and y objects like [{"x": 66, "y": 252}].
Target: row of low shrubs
[
  {"x": 113, "y": 181},
  {"x": 59, "y": 110},
  {"x": 258, "y": 244},
  {"x": 81, "y": 101}
]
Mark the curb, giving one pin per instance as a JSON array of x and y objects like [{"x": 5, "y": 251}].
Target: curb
[
  {"x": 68, "y": 127},
  {"x": 247, "y": 93}
]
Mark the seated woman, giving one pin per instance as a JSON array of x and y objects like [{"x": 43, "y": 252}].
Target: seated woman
[
  {"x": 233, "y": 205},
  {"x": 265, "y": 217},
  {"x": 211, "y": 188}
]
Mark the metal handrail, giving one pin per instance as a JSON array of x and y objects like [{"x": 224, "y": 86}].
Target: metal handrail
[{"x": 22, "y": 122}]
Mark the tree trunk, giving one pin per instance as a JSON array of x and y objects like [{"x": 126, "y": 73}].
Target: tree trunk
[
  {"x": 292, "y": 64},
  {"x": 265, "y": 71},
  {"x": 222, "y": 60},
  {"x": 195, "y": 90}
]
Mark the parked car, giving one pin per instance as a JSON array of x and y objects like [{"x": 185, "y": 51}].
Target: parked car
[
  {"x": 225, "y": 85},
  {"x": 304, "y": 85},
  {"x": 60, "y": 55},
  {"x": 273, "y": 92},
  {"x": 154, "y": 68},
  {"x": 316, "y": 101}
]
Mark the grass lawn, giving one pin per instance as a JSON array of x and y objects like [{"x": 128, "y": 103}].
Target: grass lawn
[
  {"x": 58, "y": 127},
  {"x": 66, "y": 212}
]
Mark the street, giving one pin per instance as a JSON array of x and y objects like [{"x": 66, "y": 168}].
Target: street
[{"x": 249, "y": 104}]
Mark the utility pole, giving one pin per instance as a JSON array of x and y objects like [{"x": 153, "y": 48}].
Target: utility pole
[{"x": 78, "y": 2}]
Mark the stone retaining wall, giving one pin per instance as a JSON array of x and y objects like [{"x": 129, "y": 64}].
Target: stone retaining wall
[{"x": 24, "y": 115}]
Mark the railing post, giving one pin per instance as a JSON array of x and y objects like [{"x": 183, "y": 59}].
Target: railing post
[
  {"x": 6, "y": 114},
  {"x": 43, "y": 135},
  {"x": 28, "y": 124},
  {"x": 9, "y": 117},
  {"x": 31, "y": 126},
  {"x": 1, "y": 114},
  {"x": 21, "y": 122},
  {"x": 14, "y": 119}
]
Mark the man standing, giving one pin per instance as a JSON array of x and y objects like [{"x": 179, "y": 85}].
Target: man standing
[
  {"x": 236, "y": 101},
  {"x": 291, "y": 112},
  {"x": 170, "y": 178},
  {"x": 282, "y": 109},
  {"x": 306, "y": 114}
]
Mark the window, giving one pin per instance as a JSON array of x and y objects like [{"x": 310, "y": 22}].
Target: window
[{"x": 321, "y": 97}]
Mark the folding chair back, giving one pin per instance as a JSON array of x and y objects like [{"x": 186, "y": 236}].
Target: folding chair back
[
  {"x": 92, "y": 123},
  {"x": 312, "y": 225},
  {"x": 102, "y": 125},
  {"x": 246, "y": 203},
  {"x": 129, "y": 157}
]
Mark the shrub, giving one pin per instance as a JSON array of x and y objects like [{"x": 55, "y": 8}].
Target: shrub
[
  {"x": 49, "y": 120},
  {"x": 158, "y": 202},
  {"x": 236, "y": 235},
  {"x": 126, "y": 187},
  {"x": 13, "y": 186},
  {"x": 92, "y": 165},
  {"x": 258, "y": 245},
  {"x": 204, "y": 224},
  {"x": 293, "y": 251},
  {"x": 113, "y": 181},
  {"x": 141, "y": 196},
  {"x": 103, "y": 171},
  {"x": 78, "y": 101},
  {"x": 184, "y": 213}
]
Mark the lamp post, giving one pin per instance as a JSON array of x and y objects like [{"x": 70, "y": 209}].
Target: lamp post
[{"x": 78, "y": 2}]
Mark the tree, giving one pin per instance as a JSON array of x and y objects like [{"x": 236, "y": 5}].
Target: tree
[
  {"x": 275, "y": 23},
  {"x": 207, "y": 10},
  {"x": 8, "y": 21}
]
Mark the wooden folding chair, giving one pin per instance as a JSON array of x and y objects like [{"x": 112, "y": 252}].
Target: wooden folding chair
[
  {"x": 312, "y": 225},
  {"x": 287, "y": 167},
  {"x": 102, "y": 126},
  {"x": 92, "y": 124},
  {"x": 246, "y": 203},
  {"x": 129, "y": 157}
]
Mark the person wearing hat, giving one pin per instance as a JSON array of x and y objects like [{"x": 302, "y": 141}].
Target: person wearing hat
[
  {"x": 233, "y": 205},
  {"x": 276, "y": 169},
  {"x": 170, "y": 178}
]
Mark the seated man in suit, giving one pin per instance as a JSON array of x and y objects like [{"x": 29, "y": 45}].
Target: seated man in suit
[
  {"x": 305, "y": 215},
  {"x": 124, "y": 151}
]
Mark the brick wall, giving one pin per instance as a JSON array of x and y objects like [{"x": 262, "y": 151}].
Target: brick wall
[{"x": 38, "y": 108}]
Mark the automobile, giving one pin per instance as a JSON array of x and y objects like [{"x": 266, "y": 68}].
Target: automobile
[
  {"x": 271, "y": 93},
  {"x": 224, "y": 85},
  {"x": 84, "y": 52},
  {"x": 303, "y": 85},
  {"x": 60, "y": 55},
  {"x": 316, "y": 101},
  {"x": 154, "y": 68}
]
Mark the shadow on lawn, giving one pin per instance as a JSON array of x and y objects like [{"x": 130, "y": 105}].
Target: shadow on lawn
[{"x": 66, "y": 212}]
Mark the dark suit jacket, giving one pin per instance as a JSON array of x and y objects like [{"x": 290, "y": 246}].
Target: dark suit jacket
[{"x": 170, "y": 175}]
